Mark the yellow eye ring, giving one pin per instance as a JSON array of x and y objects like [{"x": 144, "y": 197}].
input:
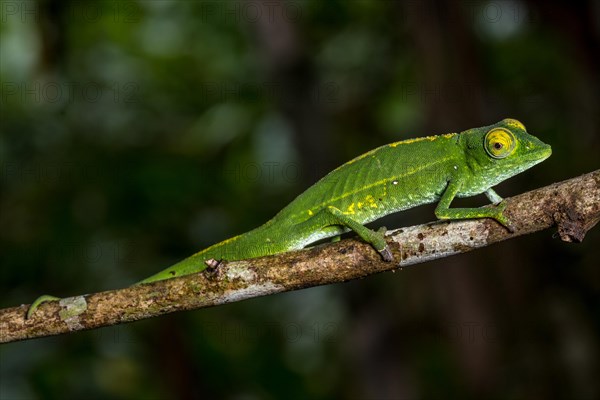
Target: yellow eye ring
[{"x": 499, "y": 143}]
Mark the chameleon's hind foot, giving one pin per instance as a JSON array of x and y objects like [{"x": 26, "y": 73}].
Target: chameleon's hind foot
[
  {"x": 39, "y": 301},
  {"x": 386, "y": 254}
]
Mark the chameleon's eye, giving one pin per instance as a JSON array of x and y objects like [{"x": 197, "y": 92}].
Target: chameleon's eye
[{"x": 499, "y": 143}]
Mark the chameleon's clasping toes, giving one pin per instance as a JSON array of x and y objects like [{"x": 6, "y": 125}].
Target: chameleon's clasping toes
[
  {"x": 510, "y": 227},
  {"x": 386, "y": 254},
  {"x": 503, "y": 219}
]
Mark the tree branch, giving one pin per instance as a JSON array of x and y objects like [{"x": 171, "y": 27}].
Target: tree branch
[{"x": 572, "y": 205}]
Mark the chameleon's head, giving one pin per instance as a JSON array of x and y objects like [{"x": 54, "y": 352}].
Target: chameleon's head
[{"x": 497, "y": 152}]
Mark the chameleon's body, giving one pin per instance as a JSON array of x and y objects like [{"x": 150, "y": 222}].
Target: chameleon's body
[{"x": 388, "y": 179}]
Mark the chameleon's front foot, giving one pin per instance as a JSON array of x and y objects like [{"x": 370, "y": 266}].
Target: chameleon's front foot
[
  {"x": 503, "y": 219},
  {"x": 37, "y": 302}
]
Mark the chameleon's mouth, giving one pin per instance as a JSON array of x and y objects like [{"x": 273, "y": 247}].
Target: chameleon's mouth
[
  {"x": 540, "y": 154},
  {"x": 545, "y": 152}
]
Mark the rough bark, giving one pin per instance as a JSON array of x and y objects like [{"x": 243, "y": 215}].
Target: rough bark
[{"x": 572, "y": 205}]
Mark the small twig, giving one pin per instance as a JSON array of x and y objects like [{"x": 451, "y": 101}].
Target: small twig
[{"x": 573, "y": 205}]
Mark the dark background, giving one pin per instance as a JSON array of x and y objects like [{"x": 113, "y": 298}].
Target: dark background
[{"x": 135, "y": 133}]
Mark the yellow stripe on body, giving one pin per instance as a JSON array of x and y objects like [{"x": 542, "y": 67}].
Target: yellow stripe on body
[
  {"x": 396, "y": 144},
  {"x": 219, "y": 244},
  {"x": 370, "y": 198},
  {"x": 420, "y": 139}
]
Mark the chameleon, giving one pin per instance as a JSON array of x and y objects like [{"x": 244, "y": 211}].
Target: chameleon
[{"x": 386, "y": 180}]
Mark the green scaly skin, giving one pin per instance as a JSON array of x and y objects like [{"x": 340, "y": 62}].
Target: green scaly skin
[{"x": 388, "y": 179}]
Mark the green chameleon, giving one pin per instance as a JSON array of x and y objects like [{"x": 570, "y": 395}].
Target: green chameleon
[{"x": 388, "y": 179}]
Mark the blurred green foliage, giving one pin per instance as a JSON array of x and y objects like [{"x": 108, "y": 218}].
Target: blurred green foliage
[{"x": 134, "y": 133}]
